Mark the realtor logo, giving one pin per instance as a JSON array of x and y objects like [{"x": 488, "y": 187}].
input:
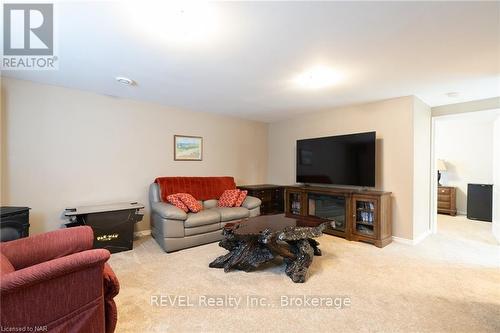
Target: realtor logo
[{"x": 28, "y": 36}]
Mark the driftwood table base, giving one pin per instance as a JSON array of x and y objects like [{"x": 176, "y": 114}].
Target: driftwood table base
[{"x": 250, "y": 245}]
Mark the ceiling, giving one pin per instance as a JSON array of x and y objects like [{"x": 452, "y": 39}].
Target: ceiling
[{"x": 245, "y": 56}]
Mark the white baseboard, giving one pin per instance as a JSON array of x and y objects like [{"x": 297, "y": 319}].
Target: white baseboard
[
  {"x": 402, "y": 240},
  {"x": 142, "y": 233},
  {"x": 421, "y": 237},
  {"x": 415, "y": 241}
]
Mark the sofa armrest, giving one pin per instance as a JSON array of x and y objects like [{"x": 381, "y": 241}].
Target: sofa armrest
[
  {"x": 168, "y": 211},
  {"x": 251, "y": 202},
  {"x": 52, "y": 269},
  {"x": 25, "y": 252}
]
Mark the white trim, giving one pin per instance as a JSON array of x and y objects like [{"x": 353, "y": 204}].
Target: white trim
[
  {"x": 415, "y": 241},
  {"x": 433, "y": 213},
  {"x": 421, "y": 237},
  {"x": 142, "y": 233},
  {"x": 402, "y": 240}
]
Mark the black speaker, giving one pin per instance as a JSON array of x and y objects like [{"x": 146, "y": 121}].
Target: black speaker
[{"x": 480, "y": 202}]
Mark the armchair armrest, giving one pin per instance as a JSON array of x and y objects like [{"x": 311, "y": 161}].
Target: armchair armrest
[
  {"x": 168, "y": 211},
  {"x": 25, "y": 252},
  {"x": 52, "y": 269},
  {"x": 251, "y": 202},
  {"x": 63, "y": 294},
  {"x": 111, "y": 284},
  {"x": 111, "y": 289}
]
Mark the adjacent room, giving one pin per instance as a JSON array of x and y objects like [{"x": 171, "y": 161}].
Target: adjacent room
[
  {"x": 465, "y": 149},
  {"x": 220, "y": 166}
]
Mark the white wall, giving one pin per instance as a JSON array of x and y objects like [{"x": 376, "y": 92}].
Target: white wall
[
  {"x": 496, "y": 178},
  {"x": 65, "y": 147},
  {"x": 465, "y": 143},
  {"x": 393, "y": 121},
  {"x": 421, "y": 168}
]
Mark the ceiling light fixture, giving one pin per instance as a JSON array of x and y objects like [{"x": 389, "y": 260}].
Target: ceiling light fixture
[
  {"x": 125, "y": 81},
  {"x": 317, "y": 77},
  {"x": 453, "y": 94}
]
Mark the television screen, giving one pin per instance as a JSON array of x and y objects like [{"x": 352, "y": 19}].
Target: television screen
[{"x": 341, "y": 160}]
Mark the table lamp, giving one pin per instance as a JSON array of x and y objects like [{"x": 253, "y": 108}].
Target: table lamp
[{"x": 441, "y": 166}]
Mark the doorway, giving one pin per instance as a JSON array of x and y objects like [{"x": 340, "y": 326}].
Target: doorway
[{"x": 464, "y": 149}]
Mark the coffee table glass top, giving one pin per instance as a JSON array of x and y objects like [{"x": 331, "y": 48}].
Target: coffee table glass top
[{"x": 273, "y": 223}]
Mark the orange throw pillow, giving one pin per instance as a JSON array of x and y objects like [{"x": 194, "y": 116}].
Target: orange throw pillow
[
  {"x": 228, "y": 198},
  {"x": 174, "y": 200},
  {"x": 241, "y": 198},
  {"x": 190, "y": 202}
]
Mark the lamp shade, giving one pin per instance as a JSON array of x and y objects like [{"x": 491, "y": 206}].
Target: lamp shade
[{"x": 441, "y": 166}]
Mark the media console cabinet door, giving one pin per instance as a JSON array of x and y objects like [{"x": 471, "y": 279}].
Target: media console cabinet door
[
  {"x": 364, "y": 216},
  {"x": 295, "y": 202}
]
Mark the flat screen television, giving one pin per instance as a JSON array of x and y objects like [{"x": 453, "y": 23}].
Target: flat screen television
[{"x": 340, "y": 160}]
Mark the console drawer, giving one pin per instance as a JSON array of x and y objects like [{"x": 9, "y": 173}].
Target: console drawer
[
  {"x": 442, "y": 197},
  {"x": 444, "y": 190},
  {"x": 445, "y": 205}
]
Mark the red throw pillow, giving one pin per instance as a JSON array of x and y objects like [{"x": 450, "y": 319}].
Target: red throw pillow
[
  {"x": 241, "y": 198},
  {"x": 174, "y": 200},
  {"x": 190, "y": 202},
  {"x": 228, "y": 198}
]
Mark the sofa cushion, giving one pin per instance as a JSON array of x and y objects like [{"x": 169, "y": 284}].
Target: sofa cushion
[
  {"x": 210, "y": 203},
  {"x": 177, "y": 202},
  {"x": 241, "y": 198},
  {"x": 228, "y": 198},
  {"x": 232, "y": 213},
  {"x": 202, "y": 188},
  {"x": 203, "y": 229},
  {"x": 191, "y": 203},
  {"x": 206, "y": 216}
]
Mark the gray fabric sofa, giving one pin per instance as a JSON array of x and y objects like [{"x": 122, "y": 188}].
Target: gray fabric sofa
[{"x": 173, "y": 229}]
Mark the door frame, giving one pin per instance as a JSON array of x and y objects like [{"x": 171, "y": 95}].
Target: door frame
[{"x": 434, "y": 187}]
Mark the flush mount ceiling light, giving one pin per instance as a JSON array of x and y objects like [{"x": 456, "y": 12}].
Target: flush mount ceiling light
[
  {"x": 317, "y": 77},
  {"x": 173, "y": 22},
  {"x": 125, "y": 81}
]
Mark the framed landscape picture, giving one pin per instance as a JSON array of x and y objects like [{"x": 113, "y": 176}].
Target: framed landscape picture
[{"x": 188, "y": 148}]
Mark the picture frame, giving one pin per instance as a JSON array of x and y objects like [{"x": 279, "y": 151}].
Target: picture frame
[{"x": 188, "y": 148}]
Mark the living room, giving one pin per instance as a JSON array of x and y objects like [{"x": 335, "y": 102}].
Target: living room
[{"x": 251, "y": 88}]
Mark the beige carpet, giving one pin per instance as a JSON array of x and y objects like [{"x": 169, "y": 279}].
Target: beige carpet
[{"x": 448, "y": 283}]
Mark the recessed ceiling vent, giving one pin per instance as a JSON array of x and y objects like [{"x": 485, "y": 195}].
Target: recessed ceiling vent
[{"x": 125, "y": 81}]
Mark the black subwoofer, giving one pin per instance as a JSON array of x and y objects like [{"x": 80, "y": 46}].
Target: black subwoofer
[{"x": 480, "y": 202}]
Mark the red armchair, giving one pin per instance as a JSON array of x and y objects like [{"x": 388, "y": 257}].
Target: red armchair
[{"x": 56, "y": 282}]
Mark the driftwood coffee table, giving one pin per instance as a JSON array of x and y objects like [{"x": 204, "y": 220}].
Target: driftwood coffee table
[{"x": 257, "y": 240}]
